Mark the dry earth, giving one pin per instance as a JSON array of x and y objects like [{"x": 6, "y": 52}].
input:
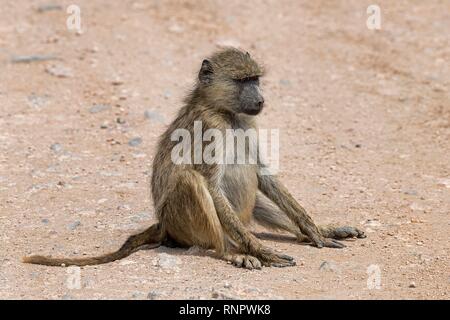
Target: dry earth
[{"x": 364, "y": 119}]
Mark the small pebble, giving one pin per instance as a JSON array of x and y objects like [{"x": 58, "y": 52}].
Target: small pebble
[
  {"x": 410, "y": 192},
  {"x": 167, "y": 262},
  {"x": 153, "y": 115},
  {"x": 167, "y": 94},
  {"x": 59, "y": 71},
  {"x": 135, "y": 142},
  {"x": 36, "y": 101},
  {"x": 32, "y": 58},
  {"x": 56, "y": 147},
  {"x": 74, "y": 225},
  {"x": 99, "y": 108},
  {"x": 49, "y": 7},
  {"x": 153, "y": 295},
  {"x": 328, "y": 266},
  {"x": 117, "y": 82}
]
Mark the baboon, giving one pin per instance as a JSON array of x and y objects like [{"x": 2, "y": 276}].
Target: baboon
[{"x": 211, "y": 205}]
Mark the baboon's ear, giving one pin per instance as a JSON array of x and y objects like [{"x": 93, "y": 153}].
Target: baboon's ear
[
  {"x": 247, "y": 54},
  {"x": 206, "y": 72}
]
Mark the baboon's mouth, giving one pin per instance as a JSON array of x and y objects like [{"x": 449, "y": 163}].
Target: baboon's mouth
[{"x": 253, "y": 112}]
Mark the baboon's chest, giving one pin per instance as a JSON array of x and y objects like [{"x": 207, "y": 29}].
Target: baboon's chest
[{"x": 240, "y": 183}]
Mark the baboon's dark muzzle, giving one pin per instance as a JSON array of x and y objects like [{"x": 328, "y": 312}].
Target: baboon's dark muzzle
[{"x": 252, "y": 100}]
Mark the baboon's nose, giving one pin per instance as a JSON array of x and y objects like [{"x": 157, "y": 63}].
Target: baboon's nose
[{"x": 260, "y": 102}]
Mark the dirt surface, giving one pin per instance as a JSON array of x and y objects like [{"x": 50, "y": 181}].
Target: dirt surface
[{"x": 364, "y": 120}]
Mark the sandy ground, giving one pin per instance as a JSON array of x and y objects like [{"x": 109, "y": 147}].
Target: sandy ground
[{"x": 364, "y": 120}]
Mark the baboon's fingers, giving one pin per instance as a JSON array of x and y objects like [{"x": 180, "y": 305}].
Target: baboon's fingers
[
  {"x": 252, "y": 263},
  {"x": 317, "y": 240},
  {"x": 282, "y": 261},
  {"x": 245, "y": 261},
  {"x": 284, "y": 257},
  {"x": 333, "y": 244},
  {"x": 248, "y": 264},
  {"x": 301, "y": 237},
  {"x": 361, "y": 234},
  {"x": 238, "y": 260},
  {"x": 270, "y": 258},
  {"x": 283, "y": 265}
]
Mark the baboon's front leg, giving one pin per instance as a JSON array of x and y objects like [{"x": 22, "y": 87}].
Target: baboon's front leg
[
  {"x": 247, "y": 242},
  {"x": 275, "y": 191}
]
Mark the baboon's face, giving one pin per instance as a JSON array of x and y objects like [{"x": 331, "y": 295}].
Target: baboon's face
[{"x": 240, "y": 94}]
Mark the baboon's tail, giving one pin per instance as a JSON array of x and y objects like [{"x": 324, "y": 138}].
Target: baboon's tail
[{"x": 153, "y": 235}]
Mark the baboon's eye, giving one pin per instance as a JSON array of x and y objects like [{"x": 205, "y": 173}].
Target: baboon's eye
[{"x": 249, "y": 79}]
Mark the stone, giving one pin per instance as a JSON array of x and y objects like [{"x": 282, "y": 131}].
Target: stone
[
  {"x": 99, "y": 108},
  {"x": 37, "y": 101},
  {"x": 59, "y": 71},
  {"x": 154, "y": 115},
  {"x": 49, "y": 7},
  {"x": 444, "y": 183},
  {"x": 135, "y": 142},
  {"x": 32, "y": 58},
  {"x": 72, "y": 226},
  {"x": 56, "y": 147},
  {"x": 167, "y": 262},
  {"x": 372, "y": 223},
  {"x": 104, "y": 125},
  {"x": 328, "y": 266},
  {"x": 153, "y": 295}
]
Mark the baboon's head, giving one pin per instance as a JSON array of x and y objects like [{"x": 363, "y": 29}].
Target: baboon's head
[{"x": 230, "y": 79}]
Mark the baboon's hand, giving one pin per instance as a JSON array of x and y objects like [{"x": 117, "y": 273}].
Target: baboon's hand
[{"x": 270, "y": 258}]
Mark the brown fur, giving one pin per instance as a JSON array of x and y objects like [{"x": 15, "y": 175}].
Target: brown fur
[{"x": 211, "y": 205}]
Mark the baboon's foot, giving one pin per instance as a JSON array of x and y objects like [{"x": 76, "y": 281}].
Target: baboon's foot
[
  {"x": 270, "y": 258},
  {"x": 244, "y": 261},
  {"x": 344, "y": 232}
]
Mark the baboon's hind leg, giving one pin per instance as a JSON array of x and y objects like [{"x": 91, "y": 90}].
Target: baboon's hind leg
[
  {"x": 190, "y": 219},
  {"x": 188, "y": 213}
]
